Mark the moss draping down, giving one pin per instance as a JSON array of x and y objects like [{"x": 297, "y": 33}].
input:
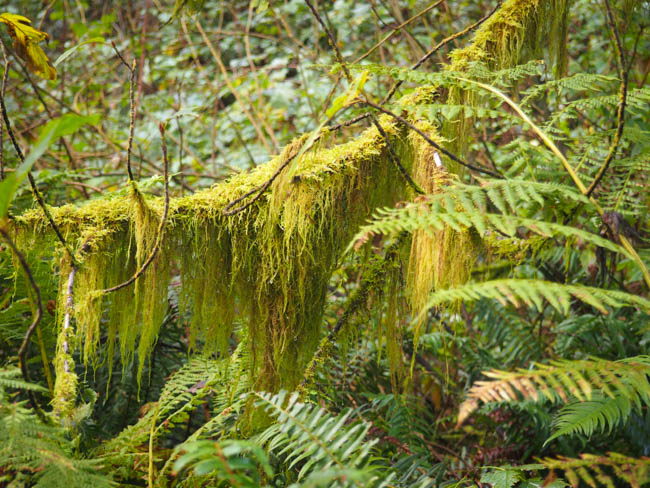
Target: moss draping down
[{"x": 268, "y": 266}]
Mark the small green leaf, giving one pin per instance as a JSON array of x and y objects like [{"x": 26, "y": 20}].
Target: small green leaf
[
  {"x": 55, "y": 128},
  {"x": 70, "y": 52}
]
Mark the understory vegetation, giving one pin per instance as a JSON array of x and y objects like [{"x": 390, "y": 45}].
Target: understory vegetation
[{"x": 309, "y": 243}]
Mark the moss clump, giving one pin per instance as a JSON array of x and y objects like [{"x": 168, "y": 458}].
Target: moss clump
[
  {"x": 268, "y": 266},
  {"x": 519, "y": 31}
]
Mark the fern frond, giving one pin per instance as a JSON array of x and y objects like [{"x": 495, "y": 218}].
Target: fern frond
[
  {"x": 587, "y": 82},
  {"x": 461, "y": 206},
  {"x": 503, "y": 78},
  {"x": 598, "y": 414},
  {"x": 11, "y": 378},
  {"x": 529, "y": 292},
  {"x": 564, "y": 379},
  {"x": 589, "y": 468},
  {"x": 314, "y": 442},
  {"x": 43, "y": 451}
]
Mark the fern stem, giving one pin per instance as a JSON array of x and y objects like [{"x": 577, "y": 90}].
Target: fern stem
[
  {"x": 574, "y": 176},
  {"x": 621, "y": 105}
]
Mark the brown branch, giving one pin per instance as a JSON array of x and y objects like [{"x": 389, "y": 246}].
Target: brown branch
[
  {"x": 21, "y": 157},
  {"x": 132, "y": 108},
  {"x": 422, "y": 60},
  {"x": 391, "y": 153},
  {"x": 265, "y": 186},
  {"x": 332, "y": 41},
  {"x": 438, "y": 46},
  {"x": 161, "y": 226},
  {"x": 620, "y": 116},
  {"x": 22, "y": 352},
  {"x": 2, "y": 95},
  {"x": 397, "y": 29},
  {"x": 429, "y": 140},
  {"x": 395, "y": 159}
]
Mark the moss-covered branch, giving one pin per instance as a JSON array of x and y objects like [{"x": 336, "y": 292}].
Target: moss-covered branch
[{"x": 268, "y": 266}]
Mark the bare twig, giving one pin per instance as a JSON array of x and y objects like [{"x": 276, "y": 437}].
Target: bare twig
[
  {"x": 391, "y": 153},
  {"x": 397, "y": 29},
  {"x": 132, "y": 108},
  {"x": 422, "y": 60},
  {"x": 331, "y": 40},
  {"x": 161, "y": 226},
  {"x": 439, "y": 46},
  {"x": 30, "y": 177},
  {"x": 22, "y": 352},
  {"x": 620, "y": 115},
  {"x": 2, "y": 95},
  {"x": 259, "y": 191},
  {"x": 241, "y": 98},
  {"x": 395, "y": 159},
  {"x": 429, "y": 140}
]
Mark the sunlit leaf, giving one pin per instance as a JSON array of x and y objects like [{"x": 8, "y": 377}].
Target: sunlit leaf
[{"x": 26, "y": 40}]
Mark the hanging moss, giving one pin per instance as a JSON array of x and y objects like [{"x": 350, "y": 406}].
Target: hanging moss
[
  {"x": 520, "y": 30},
  {"x": 268, "y": 266}
]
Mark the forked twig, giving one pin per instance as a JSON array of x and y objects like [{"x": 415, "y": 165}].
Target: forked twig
[{"x": 132, "y": 108}]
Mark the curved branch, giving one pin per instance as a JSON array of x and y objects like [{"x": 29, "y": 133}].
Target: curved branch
[
  {"x": 620, "y": 116},
  {"x": 22, "y": 352},
  {"x": 32, "y": 182},
  {"x": 161, "y": 226},
  {"x": 450, "y": 155}
]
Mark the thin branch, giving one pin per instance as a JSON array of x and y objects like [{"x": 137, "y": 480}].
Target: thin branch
[
  {"x": 395, "y": 159},
  {"x": 240, "y": 97},
  {"x": 392, "y": 154},
  {"x": 439, "y": 46},
  {"x": 373, "y": 280},
  {"x": 331, "y": 40},
  {"x": 397, "y": 29},
  {"x": 2, "y": 95},
  {"x": 429, "y": 140},
  {"x": 161, "y": 226},
  {"x": 21, "y": 157},
  {"x": 22, "y": 352},
  {"x": 621, "y": 105},
  {"x": 262, "y": 188},
  {"x": 422, "y": 60},
  {"x": 132, "y": 108}
]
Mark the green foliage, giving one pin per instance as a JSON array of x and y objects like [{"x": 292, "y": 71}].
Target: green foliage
[
  {"x": 36, "y": 453},
  {"x": 326, "y": 450},
  {"x": 606, "y": 392},
  {"x": 238, "y": 463},
  {"x": 520, "y": 275}
]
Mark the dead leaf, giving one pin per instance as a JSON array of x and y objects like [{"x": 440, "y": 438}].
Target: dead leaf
[{"x": 26, "y": 40}]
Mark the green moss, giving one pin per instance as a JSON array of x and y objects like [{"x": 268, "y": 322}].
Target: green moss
[
  {"x": 519, "y": 31},
  {"x": 268, "y": 266}
]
